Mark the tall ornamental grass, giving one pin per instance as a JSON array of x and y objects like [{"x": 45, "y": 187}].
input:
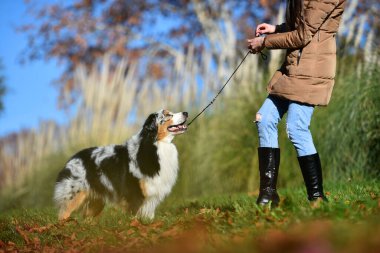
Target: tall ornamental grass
[
  {"x": 350, "y": 135},
  {"x": 218, "y": 154}
]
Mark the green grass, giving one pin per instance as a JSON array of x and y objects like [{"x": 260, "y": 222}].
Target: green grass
[{"x": 234, "y": 223}]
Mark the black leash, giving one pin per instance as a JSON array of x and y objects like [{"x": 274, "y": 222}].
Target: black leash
[{"x": 263, "y": 56}]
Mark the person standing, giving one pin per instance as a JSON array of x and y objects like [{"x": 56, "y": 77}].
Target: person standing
[{"x": 305, "y": 80}]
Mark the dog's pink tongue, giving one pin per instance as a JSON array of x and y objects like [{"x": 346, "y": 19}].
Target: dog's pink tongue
[{"x": 177, "y": 128}]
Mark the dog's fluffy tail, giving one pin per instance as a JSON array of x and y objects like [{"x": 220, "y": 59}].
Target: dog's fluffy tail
[{"x": 71, "y": 188}]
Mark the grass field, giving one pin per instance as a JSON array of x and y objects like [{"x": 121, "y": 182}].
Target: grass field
[{"x": 350, "y": 222}]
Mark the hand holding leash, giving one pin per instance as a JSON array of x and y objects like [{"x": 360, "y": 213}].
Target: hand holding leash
[{"x": 256, "y": 45}]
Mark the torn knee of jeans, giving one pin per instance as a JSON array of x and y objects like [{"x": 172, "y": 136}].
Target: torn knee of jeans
[{"x": 258, "y": 117}]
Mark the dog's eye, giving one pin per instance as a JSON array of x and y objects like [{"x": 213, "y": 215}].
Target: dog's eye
[
  {"x": 165, "y": 118},
  {"x": 168, "y": 117}
]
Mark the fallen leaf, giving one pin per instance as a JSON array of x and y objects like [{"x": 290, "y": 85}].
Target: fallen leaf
[
  {"x": 36, "y": 242},
  {"x": 41, "y": 229},
  {"x": 130, "y": 232},
  {"x": 135, "y": 223},
  {"x": 171, "y": 232},
  {"x": 156, "y": 224},
  {"x": 23, "y": 234}
]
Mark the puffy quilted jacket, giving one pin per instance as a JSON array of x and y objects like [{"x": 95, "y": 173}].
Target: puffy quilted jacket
[{"x": 307, "y": 74}]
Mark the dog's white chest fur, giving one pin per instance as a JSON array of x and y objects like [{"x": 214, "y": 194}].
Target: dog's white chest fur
[{"x": 160, "y": 185}]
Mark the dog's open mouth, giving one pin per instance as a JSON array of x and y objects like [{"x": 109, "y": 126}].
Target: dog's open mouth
[{"x": 180, "y": 128}]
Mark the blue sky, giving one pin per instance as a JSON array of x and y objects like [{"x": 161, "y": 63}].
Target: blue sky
[{"x": 31, "y": 97}]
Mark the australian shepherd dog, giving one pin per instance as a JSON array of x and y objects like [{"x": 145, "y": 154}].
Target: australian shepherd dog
[{"x": 140, "y": 173}]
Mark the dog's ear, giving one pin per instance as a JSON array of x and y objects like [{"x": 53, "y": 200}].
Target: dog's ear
[
  {"x": 147, "y": 157},
  {"x": 150, "y": 127}
]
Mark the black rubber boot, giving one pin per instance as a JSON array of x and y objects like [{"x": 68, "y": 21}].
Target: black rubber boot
[
  {"x": 269, "y": 162},
  {"x": 312, "y": 174}
]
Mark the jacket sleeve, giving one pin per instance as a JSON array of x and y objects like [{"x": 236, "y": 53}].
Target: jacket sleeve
[{"x": 315, "y": 14}]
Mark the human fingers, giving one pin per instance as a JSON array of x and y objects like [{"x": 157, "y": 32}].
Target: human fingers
[
  {"x": 261, "y": 29},
  {"x": 251, "y": 50},
  {"x": 251, "y": 42}
]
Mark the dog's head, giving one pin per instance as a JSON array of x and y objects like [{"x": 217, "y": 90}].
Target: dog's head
[{"x": 164, "y": 125}]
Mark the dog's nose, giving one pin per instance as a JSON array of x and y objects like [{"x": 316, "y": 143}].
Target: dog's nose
[{"x": 185, "y": 114}]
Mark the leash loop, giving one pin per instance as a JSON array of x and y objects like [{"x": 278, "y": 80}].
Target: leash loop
[{"x": 263, "y": 56}]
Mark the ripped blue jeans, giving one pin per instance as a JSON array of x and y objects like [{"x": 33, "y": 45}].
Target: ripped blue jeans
[{"x": 297, "y": 124}]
